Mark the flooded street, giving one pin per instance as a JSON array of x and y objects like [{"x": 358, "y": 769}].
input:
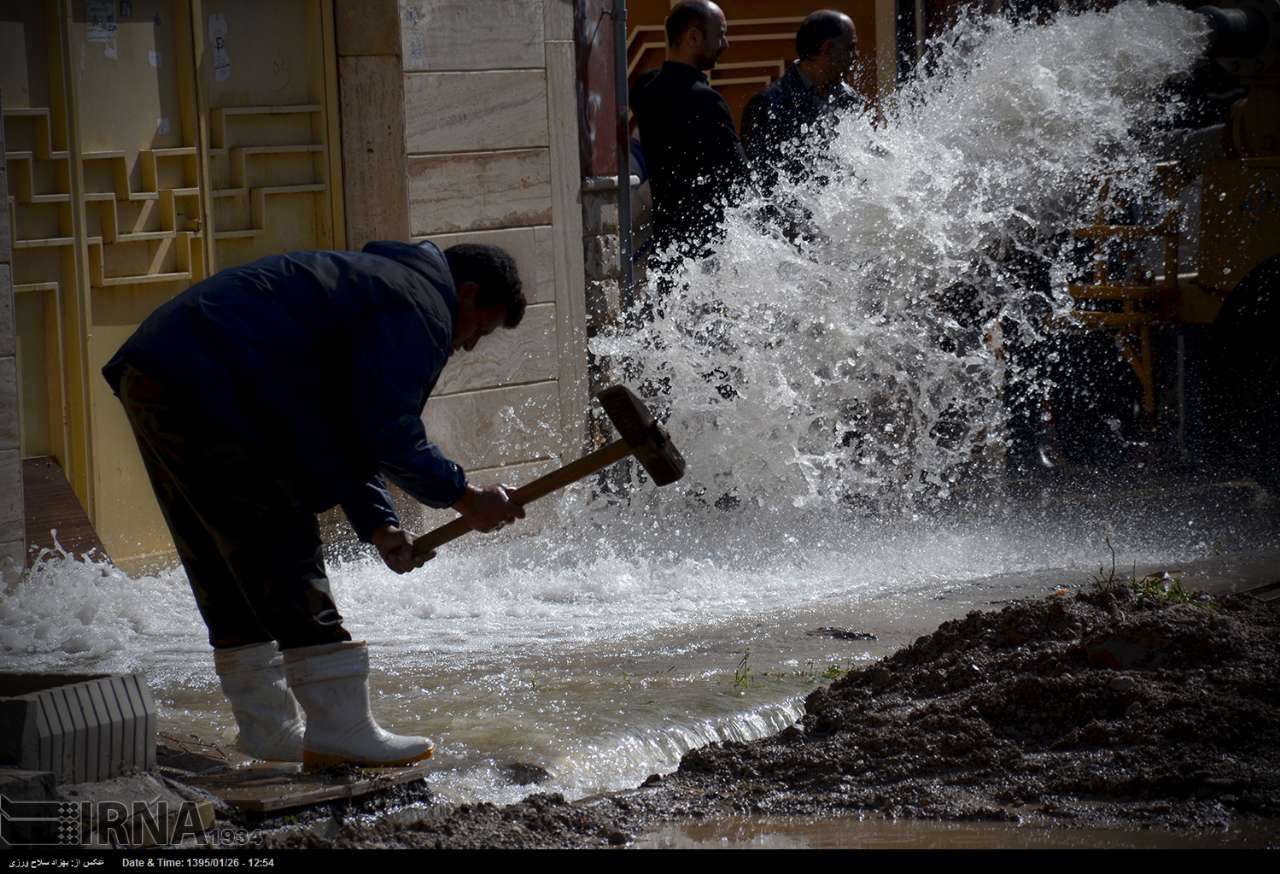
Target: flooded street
[{"x": 588, "y": 670}]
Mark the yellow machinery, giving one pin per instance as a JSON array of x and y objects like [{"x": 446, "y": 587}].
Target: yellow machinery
[{"x": 1235, "y": 290}]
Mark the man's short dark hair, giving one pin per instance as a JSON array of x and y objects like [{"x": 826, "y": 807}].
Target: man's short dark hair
[
  {"x": 495, "y": 272},
  {"x": 816, "y": 29},
  {"x": 687, "y": 14}
]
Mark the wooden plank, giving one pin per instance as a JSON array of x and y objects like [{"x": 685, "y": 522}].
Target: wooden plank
[
  {"x": 471, "y": 35},
  {"x": 571, "y": 306},
  {"x": 496, "y": 426},
  {"x": 479, "y": 191},
  {"x": 525, "y": 354},
  {"x": 263, "y": 787},
  {"x": 51, "y": 504},
  {"x": 531, "y": 249},
  {"x": 471, "y": 112},
  {"x": 367, "y": 27},
  {"x": 373, "y": 160}
]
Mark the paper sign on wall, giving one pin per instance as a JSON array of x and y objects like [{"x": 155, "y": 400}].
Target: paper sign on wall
[
  {"x": 101, "y": 25},
  {"x": 218, "y": 40}
]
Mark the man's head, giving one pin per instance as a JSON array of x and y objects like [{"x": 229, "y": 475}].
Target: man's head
[
  {"x": 826, "y": 45},
  {"x": 697, "y": 33},
  {"x": 490, "y": 293}
]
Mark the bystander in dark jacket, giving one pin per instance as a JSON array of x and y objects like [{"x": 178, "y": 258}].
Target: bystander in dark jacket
[
  {"x": 691, "y": 146},
  {"x": 321, "y": 361},
  {"x": 789, "y": 126}
]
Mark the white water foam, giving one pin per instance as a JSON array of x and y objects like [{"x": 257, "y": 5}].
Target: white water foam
[{"x": 848, "y": 375}]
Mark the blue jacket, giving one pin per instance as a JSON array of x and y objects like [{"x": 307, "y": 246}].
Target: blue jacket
[
  {"x": 322, "y": 360},
  {"x": 788, "y": 127},
  {"x": 692, "y": 154}
]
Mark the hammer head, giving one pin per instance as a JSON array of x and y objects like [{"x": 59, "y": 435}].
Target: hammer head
[{"x": 648, "y": 440}]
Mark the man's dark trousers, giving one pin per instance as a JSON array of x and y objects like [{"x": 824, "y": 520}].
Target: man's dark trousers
[{"x": 249, "y": 543}]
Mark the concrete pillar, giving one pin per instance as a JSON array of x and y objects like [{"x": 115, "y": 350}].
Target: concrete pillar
[
  {"x": 603, "y": 282},
  {"x": 13, "y": 546},
  {"x": 371, "y": 95}
]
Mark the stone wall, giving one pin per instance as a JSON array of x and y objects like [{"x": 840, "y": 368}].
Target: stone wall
[
  {"x": 603, "y": 285},
  {"x": 492, "y": 156},
  {"x": 371, "y": 108},
  {"x": 12, "y": 539},
  {"x": 459, "y": 124}
]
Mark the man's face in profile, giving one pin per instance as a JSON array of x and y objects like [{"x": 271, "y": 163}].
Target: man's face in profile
[
  {"x": 473, "y": 321},
  {"x": 715, "y": 38},
  {"x": 841, "y": 53}
]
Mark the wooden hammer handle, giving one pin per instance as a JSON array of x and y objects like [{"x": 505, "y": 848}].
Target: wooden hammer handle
[{"x": 542, "y": 486}]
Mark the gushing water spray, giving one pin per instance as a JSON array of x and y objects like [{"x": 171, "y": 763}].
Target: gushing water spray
[{"x": 867, "y": 361}]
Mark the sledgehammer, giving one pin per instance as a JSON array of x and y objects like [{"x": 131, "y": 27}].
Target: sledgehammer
[{"x": 641, "y": 436}]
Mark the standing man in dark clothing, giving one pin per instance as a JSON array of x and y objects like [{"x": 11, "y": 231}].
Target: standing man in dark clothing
[
  {"x": 787, "y": 126},
  {"x": 691, "y": 147},
  {"x": 275, "y": 390}
]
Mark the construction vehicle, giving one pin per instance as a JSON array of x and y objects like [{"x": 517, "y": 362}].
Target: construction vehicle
[{"x": 1202, "y": 342}]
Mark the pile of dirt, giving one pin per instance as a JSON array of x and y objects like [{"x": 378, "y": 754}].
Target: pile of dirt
[
  {"x": 1125, "y": 705},
  {"x": 1116, "y": 705}
]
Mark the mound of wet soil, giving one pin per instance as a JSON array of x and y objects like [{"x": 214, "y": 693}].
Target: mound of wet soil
[{"x": 1112, "y": 706}]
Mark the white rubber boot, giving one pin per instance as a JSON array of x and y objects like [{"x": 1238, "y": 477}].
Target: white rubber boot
[
  {"x": 331, "y": 682},
  {"x": 253, "y": 680}
]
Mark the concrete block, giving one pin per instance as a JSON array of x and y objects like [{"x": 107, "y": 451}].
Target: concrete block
[
  {"x": 8, "y": 325},
  {"x": 479, "y": 191},
  {"x": 532, "y": 249},
  {"x": 57, "y": 723},
  {"x": 371, "y": 93},
  {"x": 494, "y": 427},
  {"x": 9, "y": 433},
  {"x": 140, "y": 737},
  {"x": 367, "y": 27},
  {"x": 475, "y": 111},
  {"x": 472, "y": 35},
  {"x": 601, "y": 257},
  {"x": 527, "y": 354}
]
